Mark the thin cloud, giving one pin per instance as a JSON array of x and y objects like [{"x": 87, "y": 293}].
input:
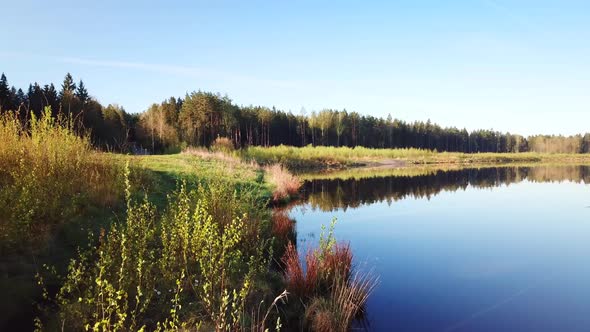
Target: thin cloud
[
  {"x": 161, "y": 68},
  {"x": 168, "y": 69},
  {"x": 176, "y": 70}
]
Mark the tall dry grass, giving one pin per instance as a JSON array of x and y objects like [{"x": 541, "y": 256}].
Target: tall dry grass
[
  {"x": 328, "y": 157},
  {"x": 223, "y": 144},
  {"x": 207, "y": 154},
  {"x": 284, "y": 183}
]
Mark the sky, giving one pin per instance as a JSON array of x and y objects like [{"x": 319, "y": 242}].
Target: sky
[{"x": 519, "y": 66}]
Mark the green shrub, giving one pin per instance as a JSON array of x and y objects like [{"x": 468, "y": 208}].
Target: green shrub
[{"x": 194, "y": 264}]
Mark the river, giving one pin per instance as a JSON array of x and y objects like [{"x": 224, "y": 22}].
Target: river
[{"x": 488, "y": 249}]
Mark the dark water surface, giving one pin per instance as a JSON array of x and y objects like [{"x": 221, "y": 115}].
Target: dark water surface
[{"x": 495, "y": 249}]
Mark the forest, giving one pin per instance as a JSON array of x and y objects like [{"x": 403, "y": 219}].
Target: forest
[{"x": 199, "y": 117}]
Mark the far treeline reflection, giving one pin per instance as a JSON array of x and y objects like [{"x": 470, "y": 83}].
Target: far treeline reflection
[{"x": 334, "y": 193}]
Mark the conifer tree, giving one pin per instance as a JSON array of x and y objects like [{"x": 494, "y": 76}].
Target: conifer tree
[
  {"x": 68, "y": 86},
  {"x": 82, "y": 93},
  {"x": 4, "y": 93}
]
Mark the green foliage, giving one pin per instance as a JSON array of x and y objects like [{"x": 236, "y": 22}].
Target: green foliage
[
  {"x": 47, "y": 174},
  {"x": 201, "y": 117},
  {"x": 110, "y": 287},
  {"x": 195, "y": 263},
  {"x": 327, "y": 239},
  {"x": 157, "y": 128}
]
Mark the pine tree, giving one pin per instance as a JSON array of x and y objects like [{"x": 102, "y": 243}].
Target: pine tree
[
  {"x": 4, "y": 93},
  {"x": 13, "y": 101},
  {"x": 21, "y": 98},
  {"x": 51, "y": 98},
  {"x": 82, "y": 93},
  {"x": 68, "y": 86}
]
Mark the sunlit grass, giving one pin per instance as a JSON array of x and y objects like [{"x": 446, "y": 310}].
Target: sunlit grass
[{"x": 322, "y": 157}]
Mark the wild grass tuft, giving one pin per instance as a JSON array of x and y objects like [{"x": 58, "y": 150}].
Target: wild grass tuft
[
  {"x": 332, "y": 293},
  {"x": 345, "y": 303},
  {"x": 285, "y": 184},
  {"x": 207, "y": 154}
]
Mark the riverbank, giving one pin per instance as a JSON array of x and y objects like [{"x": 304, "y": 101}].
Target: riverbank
[
  {"x": 94, "y": 240},
  {"x": 80, "y": 193},
  {"x": 189, "y": 241},
  {"x": 320, "y": 158}
]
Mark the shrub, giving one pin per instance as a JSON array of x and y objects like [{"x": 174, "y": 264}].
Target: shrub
[
  {"x": 207, "y": 236},
  {"x": 222, "y": 144}
]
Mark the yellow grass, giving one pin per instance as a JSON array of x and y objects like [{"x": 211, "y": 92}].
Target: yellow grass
[{"x": 285, "y": 184}]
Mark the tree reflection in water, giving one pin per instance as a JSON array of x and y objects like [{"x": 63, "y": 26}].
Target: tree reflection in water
[{"x": 336, "y": 193}]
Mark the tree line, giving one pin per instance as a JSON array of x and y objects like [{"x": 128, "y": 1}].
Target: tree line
[{"x": 198, "y": 118}]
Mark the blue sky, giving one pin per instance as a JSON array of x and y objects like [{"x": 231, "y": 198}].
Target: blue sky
[{"x": 520, "y": 66}]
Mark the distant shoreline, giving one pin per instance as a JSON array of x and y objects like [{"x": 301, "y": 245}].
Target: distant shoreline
[{"x": 305, "y": 159}]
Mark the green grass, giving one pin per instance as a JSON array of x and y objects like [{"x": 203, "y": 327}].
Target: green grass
[{"x": 166, "y": 170}]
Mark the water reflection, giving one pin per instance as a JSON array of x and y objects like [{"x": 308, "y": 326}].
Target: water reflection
[
  {"x": 488, "y": 249},
  {"x": 337, "y": 193}
]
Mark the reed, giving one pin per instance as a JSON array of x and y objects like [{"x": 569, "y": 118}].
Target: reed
[
  {"x": 346, "y": 302},
  {"x": 333, "y": 295},
  {"x": 299, "y": 282}
]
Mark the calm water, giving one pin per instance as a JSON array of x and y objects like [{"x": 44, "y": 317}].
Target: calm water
[{"x": 504, "y": 249}]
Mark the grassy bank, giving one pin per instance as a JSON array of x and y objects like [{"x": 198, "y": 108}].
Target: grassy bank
[
  {"x": 321, "y": 158},
  {"x": 99, "y": 241}
]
